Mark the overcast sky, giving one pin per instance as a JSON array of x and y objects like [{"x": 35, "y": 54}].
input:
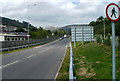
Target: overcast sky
[{"x": 56, "y": 13}]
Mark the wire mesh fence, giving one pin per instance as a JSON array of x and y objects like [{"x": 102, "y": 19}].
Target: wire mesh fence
[{"x": 6, "y": 45}]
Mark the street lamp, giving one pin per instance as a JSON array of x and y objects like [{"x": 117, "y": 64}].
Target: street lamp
[{"x": 28, "y": 20}]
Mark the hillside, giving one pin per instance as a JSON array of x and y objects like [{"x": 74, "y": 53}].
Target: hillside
[
  {"x": 52, "y": 28},
  {"x": 16, "y": 23}
]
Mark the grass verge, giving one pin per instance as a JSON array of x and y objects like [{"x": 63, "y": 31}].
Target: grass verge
[
  {"x": 64, "y": 70},
  {"x": 94, "y": 61}
]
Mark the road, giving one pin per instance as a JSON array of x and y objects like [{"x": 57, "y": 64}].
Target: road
[{"x": 41, "y": 62}]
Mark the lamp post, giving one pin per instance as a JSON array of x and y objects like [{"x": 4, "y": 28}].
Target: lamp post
[{"x": 28, "y": 22}]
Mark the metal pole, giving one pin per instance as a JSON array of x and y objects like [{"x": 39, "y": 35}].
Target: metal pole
[
  {"x": 113, "y": 53},
  {"x": 75, "y": 39},
  {"x": 82, "y": 35},
  {"x": 90, "y": 34},
  {"x": 28, "y": 23}
]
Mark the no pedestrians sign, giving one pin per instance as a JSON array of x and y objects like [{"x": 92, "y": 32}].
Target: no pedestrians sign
[{"x": 113, "y": 12}]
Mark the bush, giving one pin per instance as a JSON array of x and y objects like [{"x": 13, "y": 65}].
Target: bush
[
  {"x": 107, "y": 41},
  {"x": 119, "y": 42},
  {"x": 98, "y": 39}
]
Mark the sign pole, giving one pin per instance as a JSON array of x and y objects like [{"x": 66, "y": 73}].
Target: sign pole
[
  {"x": 113, "y": 14},
  {"x": 90, "y": 34},
  {"x": 113, "y": 53},
  {"x": 82, "y": 36},
  {"x": 75, "y": 39}
]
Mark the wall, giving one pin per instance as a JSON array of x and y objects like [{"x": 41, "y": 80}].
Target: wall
[{"x": 2, "y": 38}]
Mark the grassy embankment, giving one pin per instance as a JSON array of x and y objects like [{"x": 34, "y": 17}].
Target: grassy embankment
[{"x": 94, "y": 61}]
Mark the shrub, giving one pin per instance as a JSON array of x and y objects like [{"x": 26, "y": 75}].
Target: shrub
[
  {"x": 98, "y": 39},
  {"x": 107, "y": 41},
  {"x": 119, "y": 42}
]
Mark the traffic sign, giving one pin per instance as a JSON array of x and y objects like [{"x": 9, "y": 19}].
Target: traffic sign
[{"x": 113, "y": 12}]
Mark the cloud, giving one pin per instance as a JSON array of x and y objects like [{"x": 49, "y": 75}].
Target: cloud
[{"x": 54, "y": 12}]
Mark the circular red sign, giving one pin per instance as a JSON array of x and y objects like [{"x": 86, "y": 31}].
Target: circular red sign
[{"x": 114, "y": 20}]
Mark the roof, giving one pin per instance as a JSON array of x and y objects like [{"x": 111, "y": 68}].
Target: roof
[{"x": 4, "y": 34}]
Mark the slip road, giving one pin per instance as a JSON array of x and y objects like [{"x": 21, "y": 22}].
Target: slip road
[{"x": 41, "y": 62}]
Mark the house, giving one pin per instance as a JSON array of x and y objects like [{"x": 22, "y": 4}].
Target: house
[
  {"x": 4, "y": 28},
  {"x": 12, "y": 37}
]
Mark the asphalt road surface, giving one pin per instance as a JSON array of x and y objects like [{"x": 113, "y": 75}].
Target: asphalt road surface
[{"x": 41, "y": 62}]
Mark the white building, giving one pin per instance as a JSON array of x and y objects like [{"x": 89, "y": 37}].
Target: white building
[{"x": 9, "y": 37}]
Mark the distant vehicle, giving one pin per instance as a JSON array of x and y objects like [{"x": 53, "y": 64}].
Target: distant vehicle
[
  {"x": 65, "y": 36},
  {"x": 61, "y": 38}
]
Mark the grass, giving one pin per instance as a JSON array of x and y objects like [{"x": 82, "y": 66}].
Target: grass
[
  {"x": 94, "y": 61},
  {"x": 15, "y": 50},
  {"x": 64, "y": 70}
]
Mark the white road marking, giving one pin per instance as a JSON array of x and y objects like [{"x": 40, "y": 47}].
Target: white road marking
[
  {"x": 46, "y": 49},
  {"x": 30, "y": 56},
  {"x": 15, "y": 62},
  {"x": 10, "y": 64}
]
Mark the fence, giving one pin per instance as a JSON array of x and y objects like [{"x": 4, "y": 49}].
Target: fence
[
  {"x": 71, "y": 67},
  {"x": 8, "y": 45}
]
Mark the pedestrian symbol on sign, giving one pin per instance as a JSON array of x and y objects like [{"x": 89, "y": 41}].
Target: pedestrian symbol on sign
[{"x": 113, "y": 12}]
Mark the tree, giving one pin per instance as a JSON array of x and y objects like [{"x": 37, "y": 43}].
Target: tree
[
  {"x": 92, "y": 23},
  {"x": 101, "y": 18},
  {"x": 56, "y": 33},
  {"x": 99, "y": 26},
  {"x": 40, "y": 33},
  {"x": 19, "y": 30}
]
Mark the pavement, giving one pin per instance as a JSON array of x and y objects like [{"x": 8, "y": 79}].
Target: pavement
[{"x": 40, "y": 62}]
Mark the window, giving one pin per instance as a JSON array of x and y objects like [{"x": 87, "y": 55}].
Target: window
[
  {"x": 12, "y": 39},
  {"x": 8, "y": 39}
]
